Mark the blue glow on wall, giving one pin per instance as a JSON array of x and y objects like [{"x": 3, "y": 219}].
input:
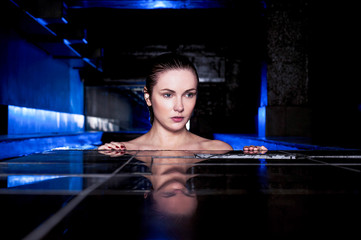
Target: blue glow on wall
[
  {"x": 263, "y": 102},
  {"x": 262, "y": 121},
  {"x": 30, "y": 77},
  {"x": 264, "y": 98},
  {"x": 22, "y": 120}
]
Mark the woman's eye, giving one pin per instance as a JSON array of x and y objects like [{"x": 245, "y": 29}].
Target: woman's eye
[
  {"x": 167, "y": 95},
  {"x": 190, "y": 95},
  {"x": 168, "y": 194}
]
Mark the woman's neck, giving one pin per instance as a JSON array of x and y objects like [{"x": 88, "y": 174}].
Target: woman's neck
[{"x": 166, "y": 139}]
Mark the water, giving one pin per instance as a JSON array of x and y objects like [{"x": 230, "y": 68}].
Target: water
[{"x": 81, "y": 194}]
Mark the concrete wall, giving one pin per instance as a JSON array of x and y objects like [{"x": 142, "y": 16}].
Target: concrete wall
[
  {"x": 288, "y": 111},
  {"x": 107, "y": 109}
]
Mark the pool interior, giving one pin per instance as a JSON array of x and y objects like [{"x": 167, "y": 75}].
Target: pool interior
[
  {"x": 21, "y": 145},
  {"x": 82, "y": 194}
]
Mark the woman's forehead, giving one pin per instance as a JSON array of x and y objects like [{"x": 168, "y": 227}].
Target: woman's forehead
[{"x": 177, "y": 78}]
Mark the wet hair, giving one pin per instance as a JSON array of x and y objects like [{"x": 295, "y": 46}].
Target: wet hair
[
  {"x": 162, "y": 63},
  {"x": 157, "y": 224}
]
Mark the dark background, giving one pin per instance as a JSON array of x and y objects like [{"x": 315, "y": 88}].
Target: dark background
[{"x": 309, "y": 48}]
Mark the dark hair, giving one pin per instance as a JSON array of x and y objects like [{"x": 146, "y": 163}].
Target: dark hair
[
  {"x": 161, "y": 225},
  {"x": 162, "y": 63}
]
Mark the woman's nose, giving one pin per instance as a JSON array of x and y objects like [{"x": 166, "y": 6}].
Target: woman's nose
[{"x": 178, "y": 105}]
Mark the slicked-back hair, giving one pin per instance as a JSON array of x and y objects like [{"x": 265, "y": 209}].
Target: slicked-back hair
[{"x": 163, "y": 63}]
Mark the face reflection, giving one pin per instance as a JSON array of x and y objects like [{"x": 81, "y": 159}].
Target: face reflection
[
  {"x": 172, "y": 197},
  {"x": 169, "y": 178},
  {"x": 174, "y": 97}
]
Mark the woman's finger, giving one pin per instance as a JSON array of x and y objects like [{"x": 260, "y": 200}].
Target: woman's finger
[
  {"x": 112, "y": 145},
  {"x": 255, "y": 149}
]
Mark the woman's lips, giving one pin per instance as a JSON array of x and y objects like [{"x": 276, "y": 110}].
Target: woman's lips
[{"x": 177, "y": 119}]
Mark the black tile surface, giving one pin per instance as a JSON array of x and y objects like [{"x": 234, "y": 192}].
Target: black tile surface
[{"x": 86, "y": 194}]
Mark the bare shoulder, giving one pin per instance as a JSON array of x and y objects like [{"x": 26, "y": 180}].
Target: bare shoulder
[
  {"x": 139, "y": 143},
  {"x": 218, "y": 145},
  {"x": 209, "y": 144},
  {"x": 131, "y": 145}
]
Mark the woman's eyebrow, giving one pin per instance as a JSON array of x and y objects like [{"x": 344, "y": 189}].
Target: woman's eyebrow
[
  {"x": 167, "y": 89},
  {"x": 170, "y": 90},
  {"x": 192, "y": 89}
]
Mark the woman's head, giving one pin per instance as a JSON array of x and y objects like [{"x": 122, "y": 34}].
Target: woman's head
[
  {"x": 164, "y": 69},
  {"x": 170, "y": 210}
]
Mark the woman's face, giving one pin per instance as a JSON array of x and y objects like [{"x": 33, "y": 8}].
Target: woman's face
[
  {"x": 176, "y": 199},
  {"x": 173, "y": 98}
]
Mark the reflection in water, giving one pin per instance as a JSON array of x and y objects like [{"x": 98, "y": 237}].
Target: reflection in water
[
  {"x": 19, "y": 180},
  {"x": 170, "y": 206},
  {"x": 171, "y": 203},
  {"x": 262, "y": 173}
]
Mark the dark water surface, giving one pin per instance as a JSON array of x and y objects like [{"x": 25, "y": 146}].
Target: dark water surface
[{"x": 85, "y": 194}]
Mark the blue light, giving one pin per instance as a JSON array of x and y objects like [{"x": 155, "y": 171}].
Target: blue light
[
  {"x": 160, "y": 4},
  {"x": 262, "y": 174},
  {"x": 262, "y": 121},
  {"x": 64, "y": 20},
  {"x": 14, "y": 181},
  {"x": 263, "y": 102},
  {"x": 87, "y": 60},
  {"x": 66, "y": 42},
  {"x": 264, "y": 97},
  {"x": 22, "y": 120},
  {"x": 150, "y": 4},
  {"x": 41, "y": 21},
  {"x": 41, "y": 182}
]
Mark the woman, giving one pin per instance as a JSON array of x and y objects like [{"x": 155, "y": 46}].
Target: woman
[{"x": 170, "y": 94}]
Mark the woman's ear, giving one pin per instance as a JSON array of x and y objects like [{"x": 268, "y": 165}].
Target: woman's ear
[{"x": 147, "y": 97}]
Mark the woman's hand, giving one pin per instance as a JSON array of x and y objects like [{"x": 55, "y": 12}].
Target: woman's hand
[
  {"x": 113, "y": 149},
  {"x": 254, "y": 149}
]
